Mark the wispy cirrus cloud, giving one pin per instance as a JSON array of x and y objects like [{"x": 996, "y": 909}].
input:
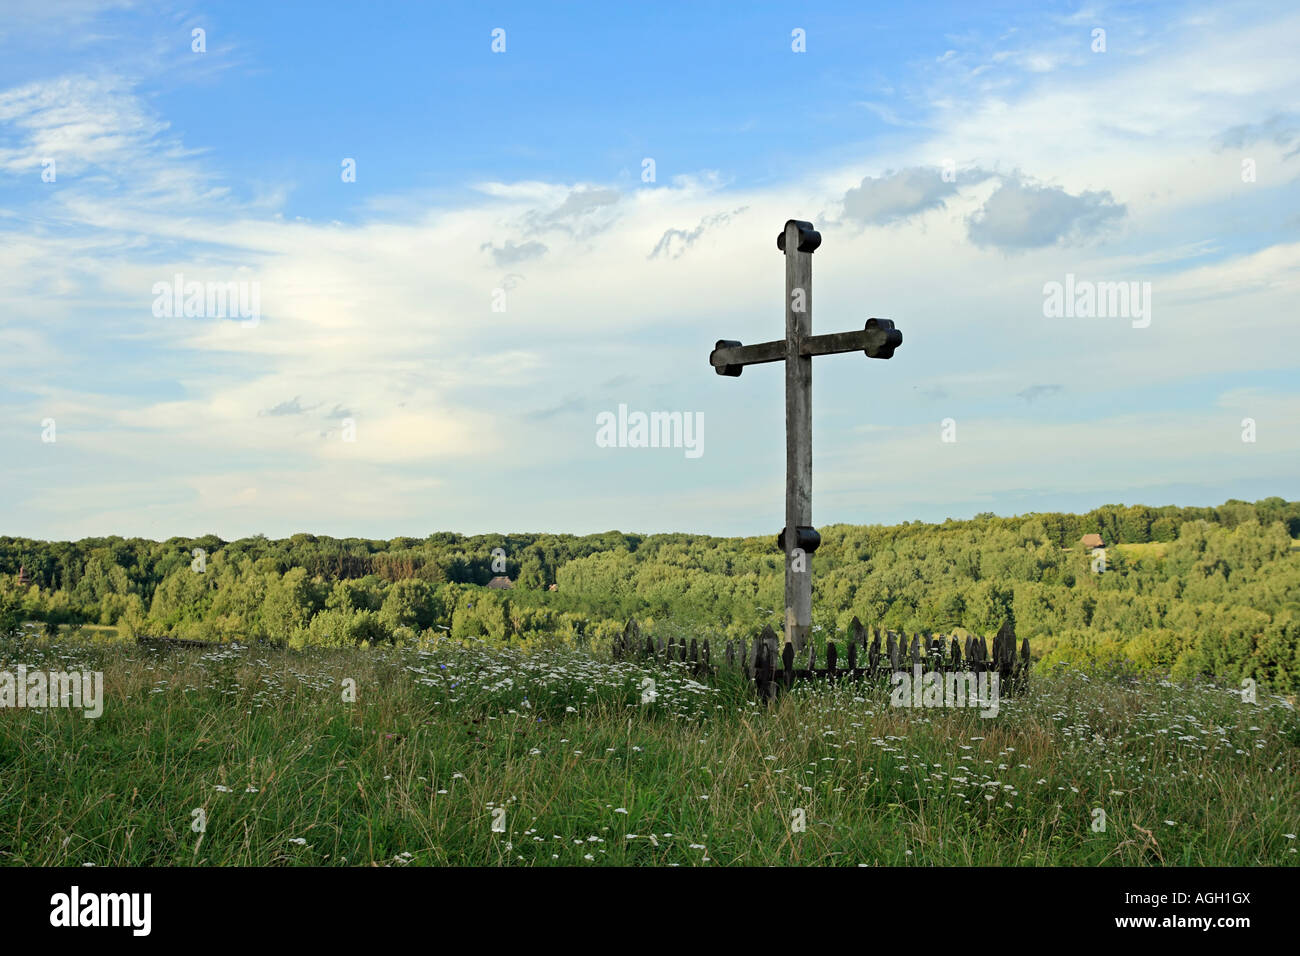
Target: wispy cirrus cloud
[
  {"x": 1037, "y": 391},
  {"x": 512, "y": 253},
  {"x": 585, "y": 211},
  {"x": 84, "y": 121},
  {"x": 674, "y": 243}
]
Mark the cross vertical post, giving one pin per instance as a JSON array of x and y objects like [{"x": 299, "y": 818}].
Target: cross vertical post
[
  {"x": 878, "y": 339},
  {"x": 798, "y": 436}
]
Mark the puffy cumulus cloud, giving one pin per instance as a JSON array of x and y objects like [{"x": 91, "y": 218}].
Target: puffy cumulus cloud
[
  {"x": 1018, "y": 215},
  {"x": 897, "y": 196},
  {"x": 1021, "y": 215}
]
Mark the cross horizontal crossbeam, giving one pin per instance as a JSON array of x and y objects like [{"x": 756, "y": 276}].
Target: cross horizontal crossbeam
[{"x": 877, "y": 339}]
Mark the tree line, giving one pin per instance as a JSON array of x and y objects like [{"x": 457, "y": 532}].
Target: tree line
[{"x": 1208, "y": 590}]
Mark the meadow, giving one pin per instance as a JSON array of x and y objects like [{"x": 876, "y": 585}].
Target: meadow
[{"x": 457, "y": 752}]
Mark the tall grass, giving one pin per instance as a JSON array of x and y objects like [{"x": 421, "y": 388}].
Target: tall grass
[{"x": 438, "y": 742}]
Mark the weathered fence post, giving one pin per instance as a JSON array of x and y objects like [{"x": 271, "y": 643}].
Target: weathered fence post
[
  {"x": 765, "y": 653},
  {"x": 859, "y": 638},
  {"x": 620, "y": 649},
  {"x": 1022, "y": 670},
  {"x": 1004, "y": 652}
]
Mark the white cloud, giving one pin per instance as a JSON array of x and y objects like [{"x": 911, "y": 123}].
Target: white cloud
[
  {"x": 897, "y": 195},
  {"x": 1027, "y": 216}
]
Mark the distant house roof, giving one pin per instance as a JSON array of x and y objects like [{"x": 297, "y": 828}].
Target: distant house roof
[
  {"x": 1093, "y": 541},
  {"x": 501, "y": 583}
]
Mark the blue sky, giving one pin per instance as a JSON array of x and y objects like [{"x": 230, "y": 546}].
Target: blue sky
[{"x": 956, "y": 158}]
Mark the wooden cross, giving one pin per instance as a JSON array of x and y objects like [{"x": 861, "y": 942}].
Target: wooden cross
[{"x": 878, "y": 339}]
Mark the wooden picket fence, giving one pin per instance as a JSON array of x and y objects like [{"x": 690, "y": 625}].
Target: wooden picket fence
[
  {"x": 629, "y": 646},
  {"x": 759, "y": 661}
]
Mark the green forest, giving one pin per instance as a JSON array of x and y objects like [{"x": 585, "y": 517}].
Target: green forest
[{"x": 1188, "y": 591}]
